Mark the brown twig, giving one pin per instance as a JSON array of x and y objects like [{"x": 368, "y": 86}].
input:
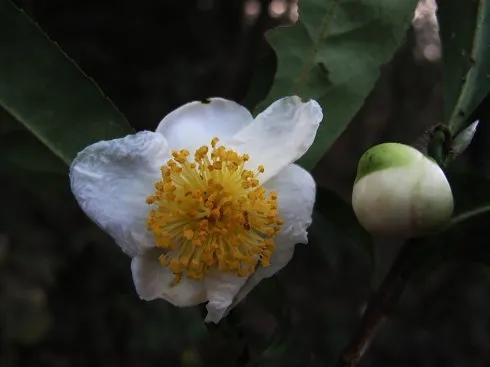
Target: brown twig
[{"x": 382, "y": 304}]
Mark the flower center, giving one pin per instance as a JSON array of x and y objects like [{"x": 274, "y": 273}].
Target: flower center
[{"x": 212, "y": 213}]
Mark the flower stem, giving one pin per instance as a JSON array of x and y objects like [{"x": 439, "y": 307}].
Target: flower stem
[{"x": 381, "y": 304}]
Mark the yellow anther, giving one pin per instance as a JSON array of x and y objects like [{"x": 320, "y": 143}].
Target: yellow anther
[
  {"x": 169, "y": 187},
  {"x": 150, "y": 199},
  {"x": 212, "y": 213},
  {"x": 201, "y": 153},
  {"x": 188, "y": 234}
]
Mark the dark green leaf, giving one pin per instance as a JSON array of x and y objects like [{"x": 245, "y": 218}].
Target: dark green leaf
[
  {"x": 46, "y": 92},
  {"x": 465, "y": 37},
  {"x": 20, "y": 151},
  {"x": 333, "y": 54}
]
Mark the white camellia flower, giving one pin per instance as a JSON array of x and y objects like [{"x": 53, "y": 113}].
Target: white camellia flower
[
  {"x": 399, "y": 191},
  {"x": 210, "y": 203}
]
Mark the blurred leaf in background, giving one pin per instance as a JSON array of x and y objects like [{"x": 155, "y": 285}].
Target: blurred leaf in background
[
  {"x": 64, "y": 287},
  {"x": 465, "y": 38},
  {"x": 45, "y": 91},
  {"x": 333, "y": 55}
]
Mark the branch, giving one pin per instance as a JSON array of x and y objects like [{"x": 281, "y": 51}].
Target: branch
[
  {"x": 388, "y": 294},
  {"x": 382, "y": 304},
  {"x": 470, "y": 214}
]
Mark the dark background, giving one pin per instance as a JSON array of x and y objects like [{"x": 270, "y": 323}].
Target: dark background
[{"x": 66, "y": 294}]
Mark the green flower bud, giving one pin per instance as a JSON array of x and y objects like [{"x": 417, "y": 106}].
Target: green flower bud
[{"x": 399, "y": 191}]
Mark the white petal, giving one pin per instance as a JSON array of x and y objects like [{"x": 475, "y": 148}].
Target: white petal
[
  {"x": 295, "y": 189},
  {"x": 280, "y": 135},
  {"x": 221, "y": 290},
  {"x": 296, "y": 194},
  {"x": 111, "y": 180},
  {"x": 153, "y": 281},
  {"x": 281, "y": 256},
  {"x": 196, "y": 123}
]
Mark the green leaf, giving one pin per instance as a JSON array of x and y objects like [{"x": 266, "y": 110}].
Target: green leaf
[
  {"x": 20, "y": 151},
  {"x": 333, "y": 54},
  {"x": 465, "y": 37},
  {"x": 45, "y": 91}
]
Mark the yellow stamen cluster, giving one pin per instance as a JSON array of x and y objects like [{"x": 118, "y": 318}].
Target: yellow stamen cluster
[{"x": 212, "y": 213}]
